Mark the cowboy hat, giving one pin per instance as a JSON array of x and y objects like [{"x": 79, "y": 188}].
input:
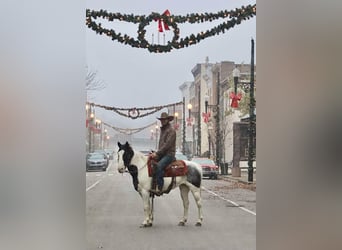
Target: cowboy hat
[{"x": 165, "y": 115}]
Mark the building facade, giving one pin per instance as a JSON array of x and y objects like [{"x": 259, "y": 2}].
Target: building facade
[{"x": 208, "y": 96}]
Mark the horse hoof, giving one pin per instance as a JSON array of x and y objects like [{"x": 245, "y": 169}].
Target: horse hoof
[
  {"x": 198, "y": 224},
  {"x": 146, "y": 225},
  {"x": 181, "y": 223}
]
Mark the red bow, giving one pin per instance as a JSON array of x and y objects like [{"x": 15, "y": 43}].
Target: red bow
[
  {"x": 161, "y": 22},
  {"x": 189, "y": 121},
  {"x": 95, "y": 130},
  {"x": 235, "y": 99},
  {"x": 176, "y": 126},
  {"x": 206, "y": 117}
]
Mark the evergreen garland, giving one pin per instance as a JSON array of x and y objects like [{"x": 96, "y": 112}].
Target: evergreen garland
[{"x": 236, "y": 17}]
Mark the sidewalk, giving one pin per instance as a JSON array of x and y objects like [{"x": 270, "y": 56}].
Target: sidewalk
[{"x": 243, "y": 178}]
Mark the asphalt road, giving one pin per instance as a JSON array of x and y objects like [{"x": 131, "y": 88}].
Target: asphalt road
[{"x": 114, "y": 213}]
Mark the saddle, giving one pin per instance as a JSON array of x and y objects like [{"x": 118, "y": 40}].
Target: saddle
[{"x": 175, "y": 168}]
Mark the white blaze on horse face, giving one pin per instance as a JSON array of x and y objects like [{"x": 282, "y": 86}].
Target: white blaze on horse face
[{"x": 121, "y": 166}]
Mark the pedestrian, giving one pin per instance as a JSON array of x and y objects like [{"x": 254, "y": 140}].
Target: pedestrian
[{"x": 166, "y": 150}]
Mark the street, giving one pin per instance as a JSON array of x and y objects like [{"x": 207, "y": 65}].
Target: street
[{"x": 114, "y": 213}]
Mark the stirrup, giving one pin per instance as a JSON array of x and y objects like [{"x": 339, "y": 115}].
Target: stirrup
[{"x": 156, "y": 192}]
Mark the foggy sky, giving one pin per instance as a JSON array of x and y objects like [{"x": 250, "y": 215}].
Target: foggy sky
[{"x": 137, "y": 78}]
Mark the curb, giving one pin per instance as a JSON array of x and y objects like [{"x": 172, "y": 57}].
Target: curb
[{"x": 237, "y": 179}]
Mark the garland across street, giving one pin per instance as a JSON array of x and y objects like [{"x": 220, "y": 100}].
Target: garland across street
[
  {"x": 134, "y": 113},
  {"x": 128, "y": 131},
  {"x": 235, "y": 17}
]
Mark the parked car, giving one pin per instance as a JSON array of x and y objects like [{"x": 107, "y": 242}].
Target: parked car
[
  {"x": 101, "y": 151},
  {"x": 180, "y": 156},
  {"x": 110, "y": 153},
  {"x": 209, "y": 167},
  {"x": 96, "y": 161},
  {"x": 146, "y": 152}
]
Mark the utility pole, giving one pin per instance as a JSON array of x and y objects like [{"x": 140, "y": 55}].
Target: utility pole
[{"x": 183, "y": 142}]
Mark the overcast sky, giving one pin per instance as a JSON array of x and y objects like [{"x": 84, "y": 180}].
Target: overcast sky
[{"x": 137, "y": 78}]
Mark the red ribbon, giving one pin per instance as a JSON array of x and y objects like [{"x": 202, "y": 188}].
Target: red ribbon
[
  {"x": 206, "y": 117},
  {"x": 95, "y": 130},
  {"x": 176, "y": 126},
  {"x": 235, "y": 99},
  {"x": 161, "y": 22}
]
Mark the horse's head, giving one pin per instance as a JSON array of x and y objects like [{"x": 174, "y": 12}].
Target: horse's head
[{"x": 125, "y": 155}]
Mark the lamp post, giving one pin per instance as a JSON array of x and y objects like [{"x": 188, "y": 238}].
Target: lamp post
[
  {"x": 218, "y": 134},
  {"x": 104, "y": 139},
  {"x": 206, "y": 101},
  {"x": 193, "y": 136},
  {"x": 157, "y": 129},
  {"x": 215, "y": 108},
  {"x": 91, "y": 135},
  {"x": 183, "y": 135},
  {"x": 236, "y": 76},
  {"x": 251, "y": 146},
  {"x": 98, "y": 125}
]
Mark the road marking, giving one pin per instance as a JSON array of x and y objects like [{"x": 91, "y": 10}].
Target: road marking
[
  {"x": 232, "y": 202},
  {"x": 97, "y": 182}
]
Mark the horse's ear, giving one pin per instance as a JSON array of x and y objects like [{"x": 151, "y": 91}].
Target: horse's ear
[
  {"x": 126, "y": 144},
  {"x": 119, "y": 145}
]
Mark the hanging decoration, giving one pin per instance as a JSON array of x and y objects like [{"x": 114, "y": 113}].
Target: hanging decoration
[
  {"x": 235, "y": 17},
  {"x": 189, "y": 121},
  {"x": 176, "y": 126},
  {"x": 235, "y": 99},
  {"x": 161, "y": 22},
  {"x": 206, "y": 117},
  {"x": 128, "y": 131},
  {"x": 135, "y": 113}
]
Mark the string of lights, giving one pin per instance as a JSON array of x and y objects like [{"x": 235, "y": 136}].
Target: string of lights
[{"x": 235, "y": 17}]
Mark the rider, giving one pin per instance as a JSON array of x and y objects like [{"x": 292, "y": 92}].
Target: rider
[{"x": 166, "y": 149}]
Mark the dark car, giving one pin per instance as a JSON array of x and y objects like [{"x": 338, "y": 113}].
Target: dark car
[
  {"x": 96, "y": 161},
  {"x": 209, "y": 167}
]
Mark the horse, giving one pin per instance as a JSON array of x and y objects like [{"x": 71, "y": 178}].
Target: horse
[{"x": 136, "y": 164}]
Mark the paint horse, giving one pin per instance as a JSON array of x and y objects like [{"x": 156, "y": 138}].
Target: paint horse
[{"x": 136, "y": 164}]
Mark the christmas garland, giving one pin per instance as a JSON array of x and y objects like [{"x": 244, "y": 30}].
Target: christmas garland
[
  {"x": 128, "y": 131},
  {"x": 236, "y": 17},
  {"x": 134, "y": 113}
]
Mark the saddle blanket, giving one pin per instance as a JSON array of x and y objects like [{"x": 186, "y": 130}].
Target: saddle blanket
[{"x": 175, "y": 168}]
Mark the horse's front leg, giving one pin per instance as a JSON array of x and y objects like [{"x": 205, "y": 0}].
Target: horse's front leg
[{"x": 145, "y": 195}]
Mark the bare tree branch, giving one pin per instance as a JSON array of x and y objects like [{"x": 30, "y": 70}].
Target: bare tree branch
[{"x": 92, "y": 83}]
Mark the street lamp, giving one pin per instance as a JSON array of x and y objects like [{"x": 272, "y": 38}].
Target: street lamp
[
  {"x": 176, "y": 125},
  {"x": 90, "y": 127},
  {"x": 236, "y": 76},
  {"x": 193, "y": 128},
  {"x": 215, "y": 108},
  {"x": 184, "y": 128},
  {"x": 189, "y": 108},
  {"x": 98, "y": 125},
  {"x": 157, "y": 129}
]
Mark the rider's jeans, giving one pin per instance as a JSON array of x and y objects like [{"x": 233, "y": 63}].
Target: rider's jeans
[{"x": 162, "y": 164}]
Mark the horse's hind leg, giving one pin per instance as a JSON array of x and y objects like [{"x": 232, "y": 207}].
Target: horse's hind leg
[
  {"x": 184, "y": 191},
  {"x": 196, "y": 192}
]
